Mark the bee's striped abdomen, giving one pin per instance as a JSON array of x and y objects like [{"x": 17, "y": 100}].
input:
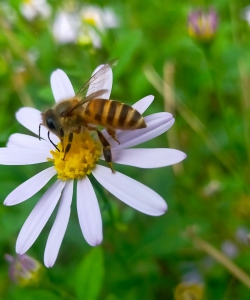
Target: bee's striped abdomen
[{"x": 113, "y": 114}]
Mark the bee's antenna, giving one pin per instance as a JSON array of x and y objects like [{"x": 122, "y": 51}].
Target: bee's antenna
[
  {"x": 39, "y": 134},
  {"x": 52, "y": 142}
]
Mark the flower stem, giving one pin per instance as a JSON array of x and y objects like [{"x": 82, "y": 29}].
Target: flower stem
[
  {"x": 193, "y": 121},
  {"x": 57, "y": 290},
  {"x": 170, "y": 106},
  {"x": 219, "y": 257}
]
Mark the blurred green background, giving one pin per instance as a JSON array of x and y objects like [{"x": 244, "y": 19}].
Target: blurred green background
[{"x": 199, "y": 249}]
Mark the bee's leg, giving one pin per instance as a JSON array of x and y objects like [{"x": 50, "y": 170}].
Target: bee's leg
[
  {"x": 61, "y": 138},
  {"x": 106, "y": 147},
  {"x": 70, "y": 139},
  {"x": 106, "y": 150},
  {"x": 111, "y": 132}
]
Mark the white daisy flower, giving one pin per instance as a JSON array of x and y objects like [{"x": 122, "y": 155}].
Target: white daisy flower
[
  {"x": 83, "y": 27},
  {"x": 88, "y": 35},
  {"x": 81, "y": 160},
  {"x": 65, "y": 28},
  {"x": 100, "y": 18},
  {"x": 33, "y": 8},
  {"x": 95, "y": 20}
]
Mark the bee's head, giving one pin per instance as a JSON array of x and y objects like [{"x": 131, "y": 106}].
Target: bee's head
[{"x": 50, "y": 120}]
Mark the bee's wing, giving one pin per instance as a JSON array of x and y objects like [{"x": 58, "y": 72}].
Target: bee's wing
[
  {"x": 95, "y": 95},
  {"x": 100, "y": 80},
  {"x": 98, "y": 86}
]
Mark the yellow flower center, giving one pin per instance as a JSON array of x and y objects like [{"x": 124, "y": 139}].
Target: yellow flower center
[
  {"x": 90, "y": 20},
  {"x": 81, "y": 159},
  {"x": 193, "y": 291}
]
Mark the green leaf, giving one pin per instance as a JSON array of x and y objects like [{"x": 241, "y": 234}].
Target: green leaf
[
  {"x": 90, "y": 274},
  {"x": 124, "y": 50},
  {"x": 17, "y": 293}
]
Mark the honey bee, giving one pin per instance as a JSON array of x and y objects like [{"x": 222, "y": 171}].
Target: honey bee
[{"x": 88, "y": 110}]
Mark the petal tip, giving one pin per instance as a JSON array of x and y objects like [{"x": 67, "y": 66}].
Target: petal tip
[
  {"x": 57, "y": 71},
  {"x": 48, "y": 264},
  {"x": 150, "y": 98},
  {"x": 164, "y": 208},
  {"x": 96, "y": 242},
  {"x": 161, "y": 210},
  {"x": 19, "y": 251},
  {"x": 183, "y": 156}
]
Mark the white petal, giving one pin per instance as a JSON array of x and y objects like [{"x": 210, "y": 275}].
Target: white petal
[
  {"x": 66, "y": 26},
  {"x": 22, "y": 156},
  {"x": 104, "y": 81},
  {"x": 61, "y": 86},
  {"x": 143, "y": 104},
  {"x": 89, "y": 212},
  {"x": 27, "y": 141},
  {"x": 30, "y": 187},
  {"x": 38, "y": 217},
  {"x": 130, "y": 191},
  {"x": 59, "y": 227},
  {"x": 148, "y": 158},
  {"x": 31, "y": 118},
  {"x": 156, "y": 125}
]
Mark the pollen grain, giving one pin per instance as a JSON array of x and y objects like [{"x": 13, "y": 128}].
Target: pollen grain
[{"x": 80, "y": 160}]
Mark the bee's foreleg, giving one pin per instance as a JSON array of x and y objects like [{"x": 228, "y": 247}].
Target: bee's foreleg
[
  {"x": 70, "y": 139},
  {"x": 106, "y": 150},
  {"x": 111, "y": 132}
]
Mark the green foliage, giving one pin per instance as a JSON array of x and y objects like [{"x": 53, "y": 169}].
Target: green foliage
[{"x": 90, "y": 275}]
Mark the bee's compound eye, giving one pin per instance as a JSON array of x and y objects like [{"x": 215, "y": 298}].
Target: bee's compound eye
[{"x": 50, "y": 124}]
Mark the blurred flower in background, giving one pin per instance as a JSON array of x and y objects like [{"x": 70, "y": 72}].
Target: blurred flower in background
[
  {"x": 65, "y": 28},
  {"x": 242, "y": 235},
  {"x": 230, "y": 249},
  {"x": 202, "y": 25},
  {"x": 186, "y": 291},
  {"x": 31, "y": 9},
  {"x": 245, "y": 14},
  {"x": 95, "y": 21},
  {"x": 212, "y": 188},
  {"x": 190, "y": 273},
  {"x": 102, "y": 19},
  {"x": 85, "y": 27},
  {"x": 23, "y": 269}
]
